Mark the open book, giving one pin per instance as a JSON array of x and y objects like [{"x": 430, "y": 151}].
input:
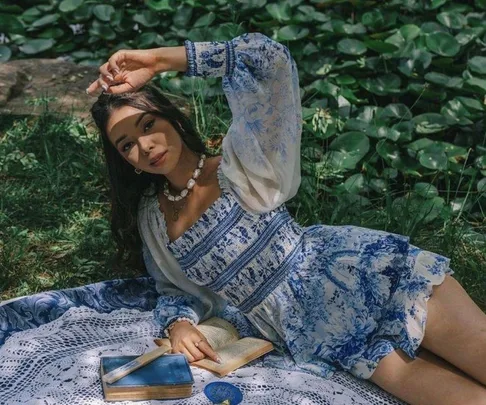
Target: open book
[{"x": 224, "y": 339}]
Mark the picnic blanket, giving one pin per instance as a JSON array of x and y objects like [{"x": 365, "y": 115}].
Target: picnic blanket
[{"x": 51, "y": 343}]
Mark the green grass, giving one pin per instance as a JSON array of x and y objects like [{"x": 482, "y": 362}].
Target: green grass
[{"x": 54, "y": 228}]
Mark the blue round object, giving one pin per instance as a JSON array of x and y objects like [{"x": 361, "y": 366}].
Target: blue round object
[{"x": 218, "y": 392}]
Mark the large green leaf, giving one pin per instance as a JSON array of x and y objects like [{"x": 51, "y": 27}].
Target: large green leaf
[
  {"x": 34, "y": 46},
  {"x": 308, "y": 14},
  {"x": 455, "y": 113},
  {"x": 83, "y": 13},
  {"x": 66, "y": 6},
  {"x": 292, "y": 33},
  {"x": 471, "y": 104},
  {"x": 146, "y": 40},
  {"x": 426, "y": 92},
  {"x": 183, "y": 16},
  {"x": 52, "y": 32},
  {"x": 103, "y": 12},
  {"x": 442, "y": 43},
  {"x": 374, "y": 19},
  {"x": 380, "y": 46},
  {"x": 476, "y": 84},
  {"x": 160, "y": 5},
  {"x": 426, "y": 190},
  {"x": 433, "y": 157},
  {"x": 452, "y": 20},
  {"x": 480, "y": 162},
  {"x": 228, "y": 31},
  {"x": 431, "y": 208},
  {"x": 395, "y": 111},
  {"x": 410, "y": 31},
  {"x": 477, "y": 64},
  {"x": 375, "y": 131},
  {"x": 429, "y": 123},
  {"x": 388, "y": 151},
  {"x": 5, "y": 53},
  {"x": 250, "y": 4},
  {"x": 481, "y": 186},
  {"x": 352, "y": 29},
  {"x": 102, "y": 31},
  {"x": 434, "y": 4},
  {"x": 11, "y": 24},
  {"x": 378, "y": 185},
  {"x": 420, "y": 144},
  {"x": 405, "y": 130},
  {"x": 351, "y": 46},
  {"x": 454, "y": 151},
  {"x": 147, "y": 18},
  {"x": 418, "y": 61},
  {"x": 355, "y": 183},
  {"x": 444, "y": 80},
  {"x": 382, "y": 85},
  {"x": 28, "y": 16},
  {"x": 469, "y": 34},
  {"x": 205, "y": 20},
  {"x": 279, "y": 11},
  {"x": 353, "y": 145}
]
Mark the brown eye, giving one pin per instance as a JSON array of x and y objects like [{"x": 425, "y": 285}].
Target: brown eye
[
  {"x": 127, "y": 146},
  {"x": 148, "y": 125}
]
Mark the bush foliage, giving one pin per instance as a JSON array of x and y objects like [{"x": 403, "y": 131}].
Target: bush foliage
[{"x": 393, "y": 91}]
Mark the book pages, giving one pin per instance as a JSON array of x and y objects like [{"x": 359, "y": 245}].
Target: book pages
[
  {"x": 236, "y": 355},
  {"x": 218, "y": 332}
]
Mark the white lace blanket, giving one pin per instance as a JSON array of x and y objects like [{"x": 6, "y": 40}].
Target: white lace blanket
[{"x": 58, "y": 363}]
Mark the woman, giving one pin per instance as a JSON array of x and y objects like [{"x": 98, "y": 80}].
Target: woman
[{"x": 215, "y": 230}]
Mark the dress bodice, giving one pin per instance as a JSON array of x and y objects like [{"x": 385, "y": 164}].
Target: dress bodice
[{"x": 237, "y": 254}]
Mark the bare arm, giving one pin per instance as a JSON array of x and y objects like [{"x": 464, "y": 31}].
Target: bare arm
[{"x": 128, "y": 70}]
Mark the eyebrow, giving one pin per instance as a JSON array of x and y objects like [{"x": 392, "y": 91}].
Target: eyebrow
[{"x": 121, "y": 138}]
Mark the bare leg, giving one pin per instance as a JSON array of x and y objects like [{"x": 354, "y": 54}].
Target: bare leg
[
  {"x": 456, "y": 329},
  {"x": 426, "y": 380}
]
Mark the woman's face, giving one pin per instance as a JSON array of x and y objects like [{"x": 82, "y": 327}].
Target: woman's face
[{"x": 147, "y": 142}]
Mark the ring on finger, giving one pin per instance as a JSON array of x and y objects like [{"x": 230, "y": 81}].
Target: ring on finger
[{"x": 197, "y": 343}]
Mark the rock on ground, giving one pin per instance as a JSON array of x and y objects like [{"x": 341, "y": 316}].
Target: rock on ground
[{"x": 26, "y": 85}]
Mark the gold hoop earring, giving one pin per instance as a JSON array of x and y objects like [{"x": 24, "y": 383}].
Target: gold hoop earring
[{"x": 138, "y": 171}]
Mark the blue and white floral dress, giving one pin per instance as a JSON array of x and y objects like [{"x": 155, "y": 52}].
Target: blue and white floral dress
[{"x": 339, "y": 297}]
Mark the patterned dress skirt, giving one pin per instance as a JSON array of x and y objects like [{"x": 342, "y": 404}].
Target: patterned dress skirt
[{"x": 338, "y": 297}]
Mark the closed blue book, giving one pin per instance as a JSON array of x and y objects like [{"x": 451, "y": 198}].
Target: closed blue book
[{"x": 166, "y": 377}]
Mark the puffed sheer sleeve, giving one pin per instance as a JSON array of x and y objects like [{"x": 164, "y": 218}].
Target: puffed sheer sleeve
[{"x": 261, "y": 151}]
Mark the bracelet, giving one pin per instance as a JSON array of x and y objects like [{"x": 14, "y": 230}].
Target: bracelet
[{"x": 182, "y": 319}]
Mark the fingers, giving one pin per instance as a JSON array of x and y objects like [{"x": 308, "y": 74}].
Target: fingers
[
  {"x": 105, "y": 73},
  {"x": 103, "y": 81},
  {"x": 93, "y": 87},
  {"x": 191, "y": 352},
  {"x": 108, "y": 76},
  {"x": 208, "y": 351},
  {"x": 120, "y": 88},
  {"x": 115, "y": 62},
  {"x": 197, "y": 350}
]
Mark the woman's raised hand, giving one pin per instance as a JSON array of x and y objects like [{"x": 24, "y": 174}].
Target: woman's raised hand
[
  {"x": 128, "y": 70},
  {"x": 186, "y": 339}
]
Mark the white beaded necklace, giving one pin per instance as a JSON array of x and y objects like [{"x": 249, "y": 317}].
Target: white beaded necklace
[{"x": 184, "y": 193}]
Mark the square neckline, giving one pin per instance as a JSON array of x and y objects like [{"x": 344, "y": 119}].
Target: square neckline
[{"x": 223, "y": 186}]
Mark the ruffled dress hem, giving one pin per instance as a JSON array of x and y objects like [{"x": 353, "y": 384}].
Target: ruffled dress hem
[{"x": 429, "y": 270}]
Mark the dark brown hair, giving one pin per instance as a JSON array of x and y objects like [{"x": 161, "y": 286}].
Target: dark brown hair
[{"x": 126, "y": 187}]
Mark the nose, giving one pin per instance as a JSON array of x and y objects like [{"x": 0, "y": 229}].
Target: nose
[{"x": 146, "y": 145}]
